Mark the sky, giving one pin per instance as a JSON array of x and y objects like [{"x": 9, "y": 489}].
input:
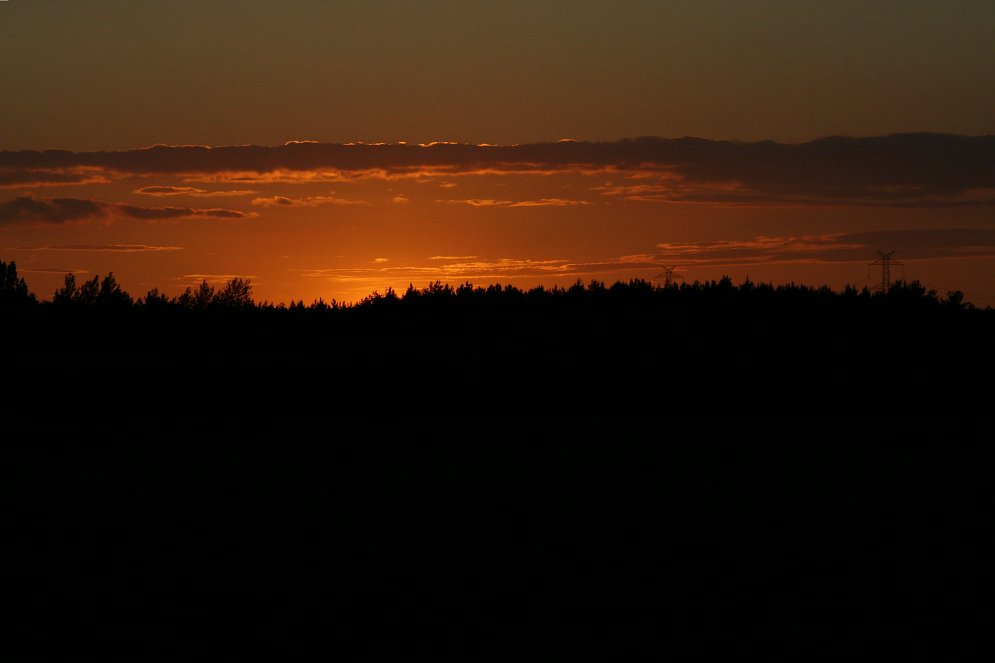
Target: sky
[{"x": 329, "y": 149}]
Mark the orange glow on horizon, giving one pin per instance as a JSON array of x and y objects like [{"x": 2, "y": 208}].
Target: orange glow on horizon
[{"x": 389, "y": 215}]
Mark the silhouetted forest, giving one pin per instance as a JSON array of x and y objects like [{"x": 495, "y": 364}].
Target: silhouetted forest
[
  {"x": 731, "y": 467},
  {"x": 623, "y": 348}
]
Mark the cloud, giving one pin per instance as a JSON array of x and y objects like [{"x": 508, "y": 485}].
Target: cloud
[
  {"x": 30, "y": 178},
  {"x": 168, "y": 190},
  {"x": 550, "y": 202},
  {"x": 675, "y": 190},
  {"x": 380, "y": 260},
  {"x": 489, "y": 202},
  {"x": 282, "y": 176},
  {"x": 505, "y": 267},
  {"x": 898, "y": 170},
  {"x": 474, "y": 268},
  {"x": 844, "y": 247},
  {"x": 165, "y": 191},
  {"x": 309, "y": 201},
  {"x": 400, "y": 199},
  {"x": 52, "y": 270},
  {"x": 478, "y": 202},
  {"x": 158, "y": 213},
  {"x": 50, "y": 210},
  {"x": 104, "y": 248},
  {"x": 28, "y": 209},
  {"x": 452, "y": 257}
]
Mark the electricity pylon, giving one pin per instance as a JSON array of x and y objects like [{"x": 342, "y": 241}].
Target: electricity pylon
[
  {"x": 668, "y": 275},
  {"x": 886, "y": 262}
]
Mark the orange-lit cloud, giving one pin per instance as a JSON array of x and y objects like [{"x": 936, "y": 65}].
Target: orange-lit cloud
[
  {"x": 28, "y": 209},
  {"x": 676, "y": 190},
  {"x": 550, "y": 202},
  {"x": 282, "y": 176},
  {"x": 913, "y": 244},
  {"x": 310, "y": 201},
  {"x": 488, "y": 202},
  {"x": 51, "y": 210},
  {"x": 21, "y": 179},
  {"x": 156, "y": 213},
  {"x": 472, "y": 268},
  {"x": 478, "y": 202},
  {"x": 52, "y": 270},
  {"x": 103, "y": 248},
  {"x": 167, "y": 191}
]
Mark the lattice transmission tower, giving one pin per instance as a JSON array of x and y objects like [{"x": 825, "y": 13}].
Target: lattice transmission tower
[
  {"x": 668, "y": 276},
  {"x": 885, "y": 261}
]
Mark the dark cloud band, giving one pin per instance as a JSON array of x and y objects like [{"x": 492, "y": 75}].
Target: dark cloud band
[
  {"x": 912, "y": 244},
  {"x": 899, "y": 170},
  {"x": 28, "y": 209},
  {"x": 932, "y": 161}
]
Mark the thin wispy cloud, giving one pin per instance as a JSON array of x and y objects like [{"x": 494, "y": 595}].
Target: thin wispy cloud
[
  {"x": 51, "y": 210},
  {"x": 158, "y": 213},
  {"x": 454, "y": 269},
  {"x": 193, "y": 192},
  {"x": 28, "y": 209},
  {"x": 672, "y": 191},
  {"x": 52, "y": 270},
  {"x": 489, "y": 202},
  {"x": 309, "y": 201},
  {"x": 278, "y": 176},
  {"x": 550, "y": 202},
  {"x": 103, "y": 248},
  {"x": 477, "y": 202},
  {"x": 30, "y": 178},
  {"x": 844, "y": 247}
]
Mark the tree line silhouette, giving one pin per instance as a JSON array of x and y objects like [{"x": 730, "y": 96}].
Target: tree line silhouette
[
  {"x": 106, "y": 294},
  {"x": 626, "y": 347}
]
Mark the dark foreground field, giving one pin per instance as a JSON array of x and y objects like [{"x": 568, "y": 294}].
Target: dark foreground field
[{"x": 621, "y": 472}]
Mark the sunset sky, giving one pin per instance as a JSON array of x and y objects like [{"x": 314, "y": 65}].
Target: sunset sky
[{"x": 329, "y": 149}]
